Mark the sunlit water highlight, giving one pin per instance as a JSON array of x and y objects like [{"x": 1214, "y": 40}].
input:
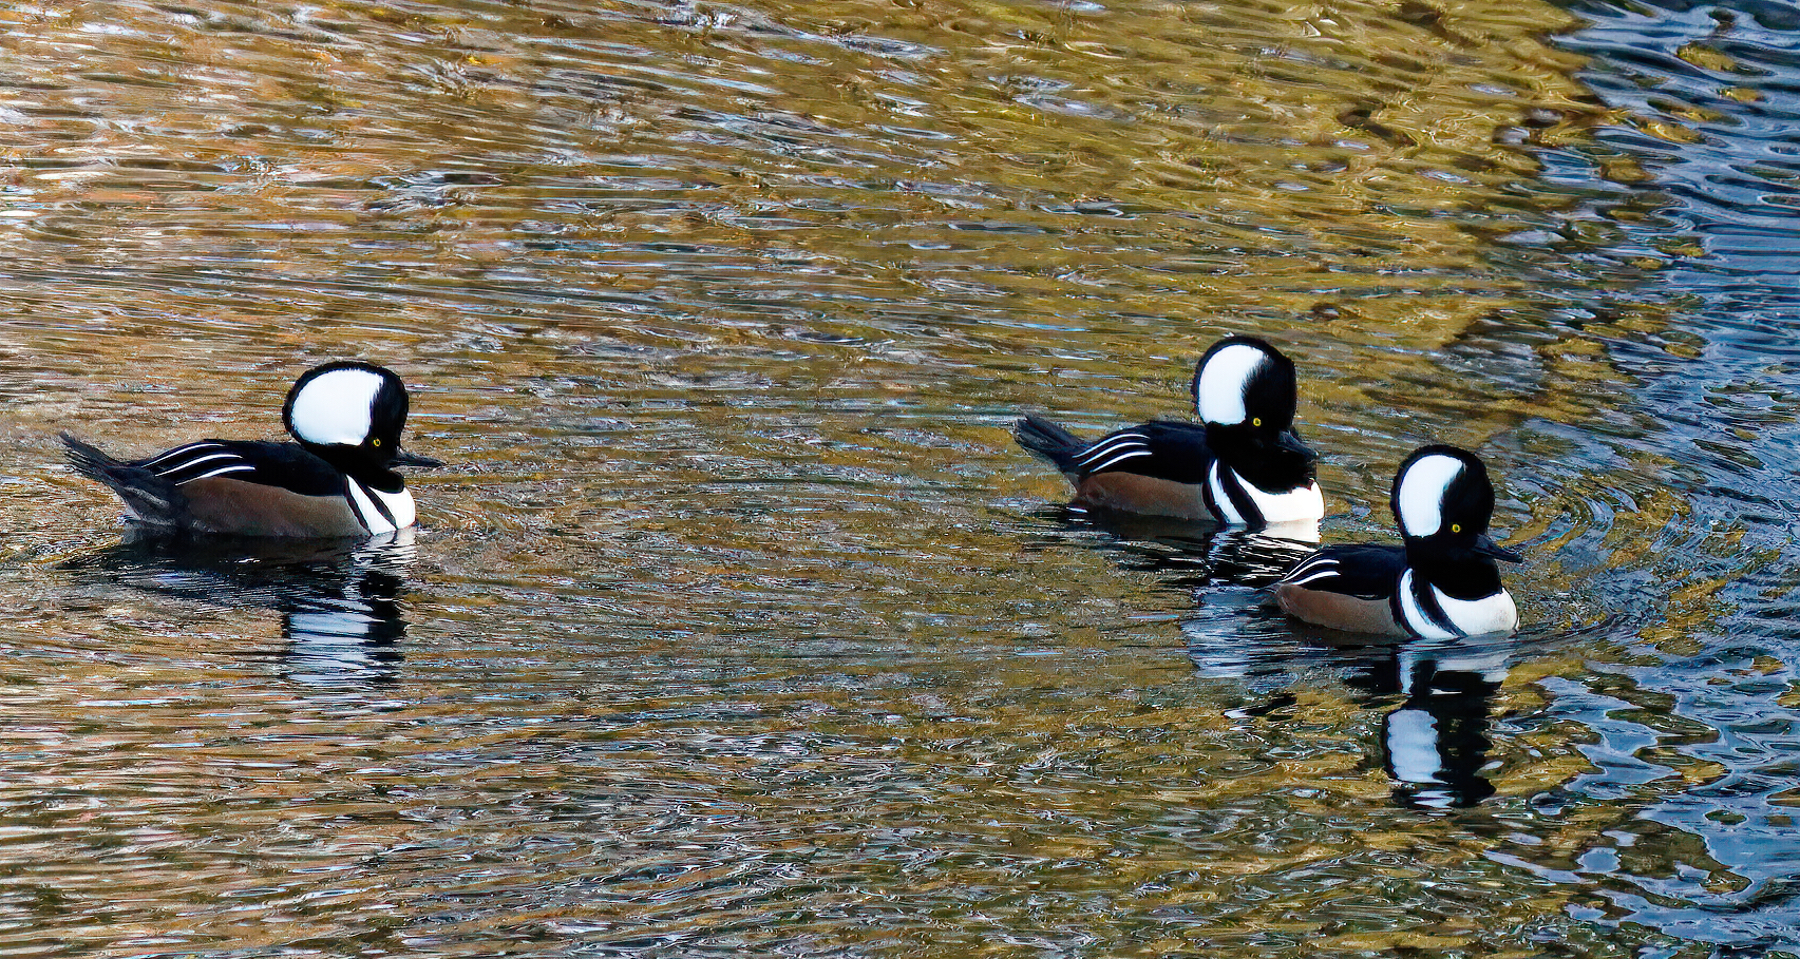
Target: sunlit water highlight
[{"x": 739, "y": 625}]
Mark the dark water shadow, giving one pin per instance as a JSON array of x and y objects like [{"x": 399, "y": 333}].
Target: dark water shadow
[
  {"x": 1187, "y": 553},
  {"x": 342, "y": 621}
]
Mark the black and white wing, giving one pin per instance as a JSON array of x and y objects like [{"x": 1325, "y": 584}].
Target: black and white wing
[
  {"x": 197, "y": 461},
  {"x": 1165, "y": 449},
  {"x": 1364, "y": 571},
  {"x": 287, "y": 465}
]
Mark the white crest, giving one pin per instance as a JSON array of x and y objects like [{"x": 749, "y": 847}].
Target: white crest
[
  {"x": 1421, "y": 500},
  {"x": 336, "y": 407},
  {"x": 1219, "y": 397}
]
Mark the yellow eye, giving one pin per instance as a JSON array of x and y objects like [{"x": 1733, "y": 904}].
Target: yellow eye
[
  {"x": 376, "y": 441},
  {"x": 1455, "y": 527},
  {"x": 1256, "y": 422}
]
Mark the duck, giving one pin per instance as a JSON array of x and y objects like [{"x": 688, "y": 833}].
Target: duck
[
  {"x": 1241, "y": 465},
  {"x": 337, "y": 479},
  {"x": 1442, "y": 582}
]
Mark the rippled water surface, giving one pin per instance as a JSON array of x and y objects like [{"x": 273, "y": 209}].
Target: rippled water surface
[{"x": 739, "y": 626}]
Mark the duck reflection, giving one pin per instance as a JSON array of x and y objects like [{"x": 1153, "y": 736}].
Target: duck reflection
[
  {"x": 1434, "y": 744},
  {"x": 1192, "y": 553},
  {"x": 339, "y": 600}
]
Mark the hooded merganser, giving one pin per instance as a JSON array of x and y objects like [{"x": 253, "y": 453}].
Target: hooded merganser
[
  {"x": 1241, "y": 465},
  {"x": 338, "y": 480},
  {"x": 1441, "y": 584}
]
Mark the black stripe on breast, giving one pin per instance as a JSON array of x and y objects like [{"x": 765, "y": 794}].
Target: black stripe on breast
[
  {"x": 355, "y": 507},
  {"x": 1427, "y": 603},
  {"x": 161, "y": 460},
  {"x": 1209, "y": 500},
  {"x": 1240, "y": 500},
  {"x": 380, "y": 505}
]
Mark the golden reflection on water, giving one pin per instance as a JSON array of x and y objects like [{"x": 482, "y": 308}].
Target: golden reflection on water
[
  {"x": 732, "y": 625},
  {"x": 1262, "y": 157}
]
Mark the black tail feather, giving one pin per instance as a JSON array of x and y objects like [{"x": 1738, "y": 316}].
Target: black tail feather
[
  {"x": 148, "y": 497},
  {"x": 1049, "y": 440},
  {"x": 88, "y": 460}
]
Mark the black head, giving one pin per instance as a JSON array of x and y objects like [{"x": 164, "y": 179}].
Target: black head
[
  {"x": 1444, "y": 501},
  {"x": 1245, "y": 392},
  {"x": 351, "y": 413}
]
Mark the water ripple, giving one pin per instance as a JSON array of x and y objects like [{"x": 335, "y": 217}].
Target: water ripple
[{"x": 738, "y": 624}]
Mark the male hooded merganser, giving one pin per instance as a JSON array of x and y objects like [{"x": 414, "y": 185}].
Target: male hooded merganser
[
  {"x": 1441, "y": 584},
  {"x": 1242, "y": 464},
  {"x": 338, "y": 480}
]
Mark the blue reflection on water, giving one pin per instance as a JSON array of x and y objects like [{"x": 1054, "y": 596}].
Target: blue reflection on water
[{"x": 1703, "y": 178}]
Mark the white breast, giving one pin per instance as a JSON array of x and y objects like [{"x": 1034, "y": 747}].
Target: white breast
[
  {"x": 1489, "y": 614},
  {"x": 1301, "y": 504},
  {"x": 1471, "y": 617},
  {"x": 1220, "y": 498},
  {"x": 399, "y": 505},
  {"x": 1415, "y": 616}
]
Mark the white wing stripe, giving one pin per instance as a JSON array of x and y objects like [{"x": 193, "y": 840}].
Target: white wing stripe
[
  {"x": 177, "y": 451},
  {"x": 1310, "y": 565},
  {"x": 185, "y": 464},
  {"x": 1312, "y": 578},
  {"x": 221, "y": 471},
  {"x": 1115, "y": 438},
  {"x": 1111, "y": 444},
  {"x": 1117, "y": 459}
]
